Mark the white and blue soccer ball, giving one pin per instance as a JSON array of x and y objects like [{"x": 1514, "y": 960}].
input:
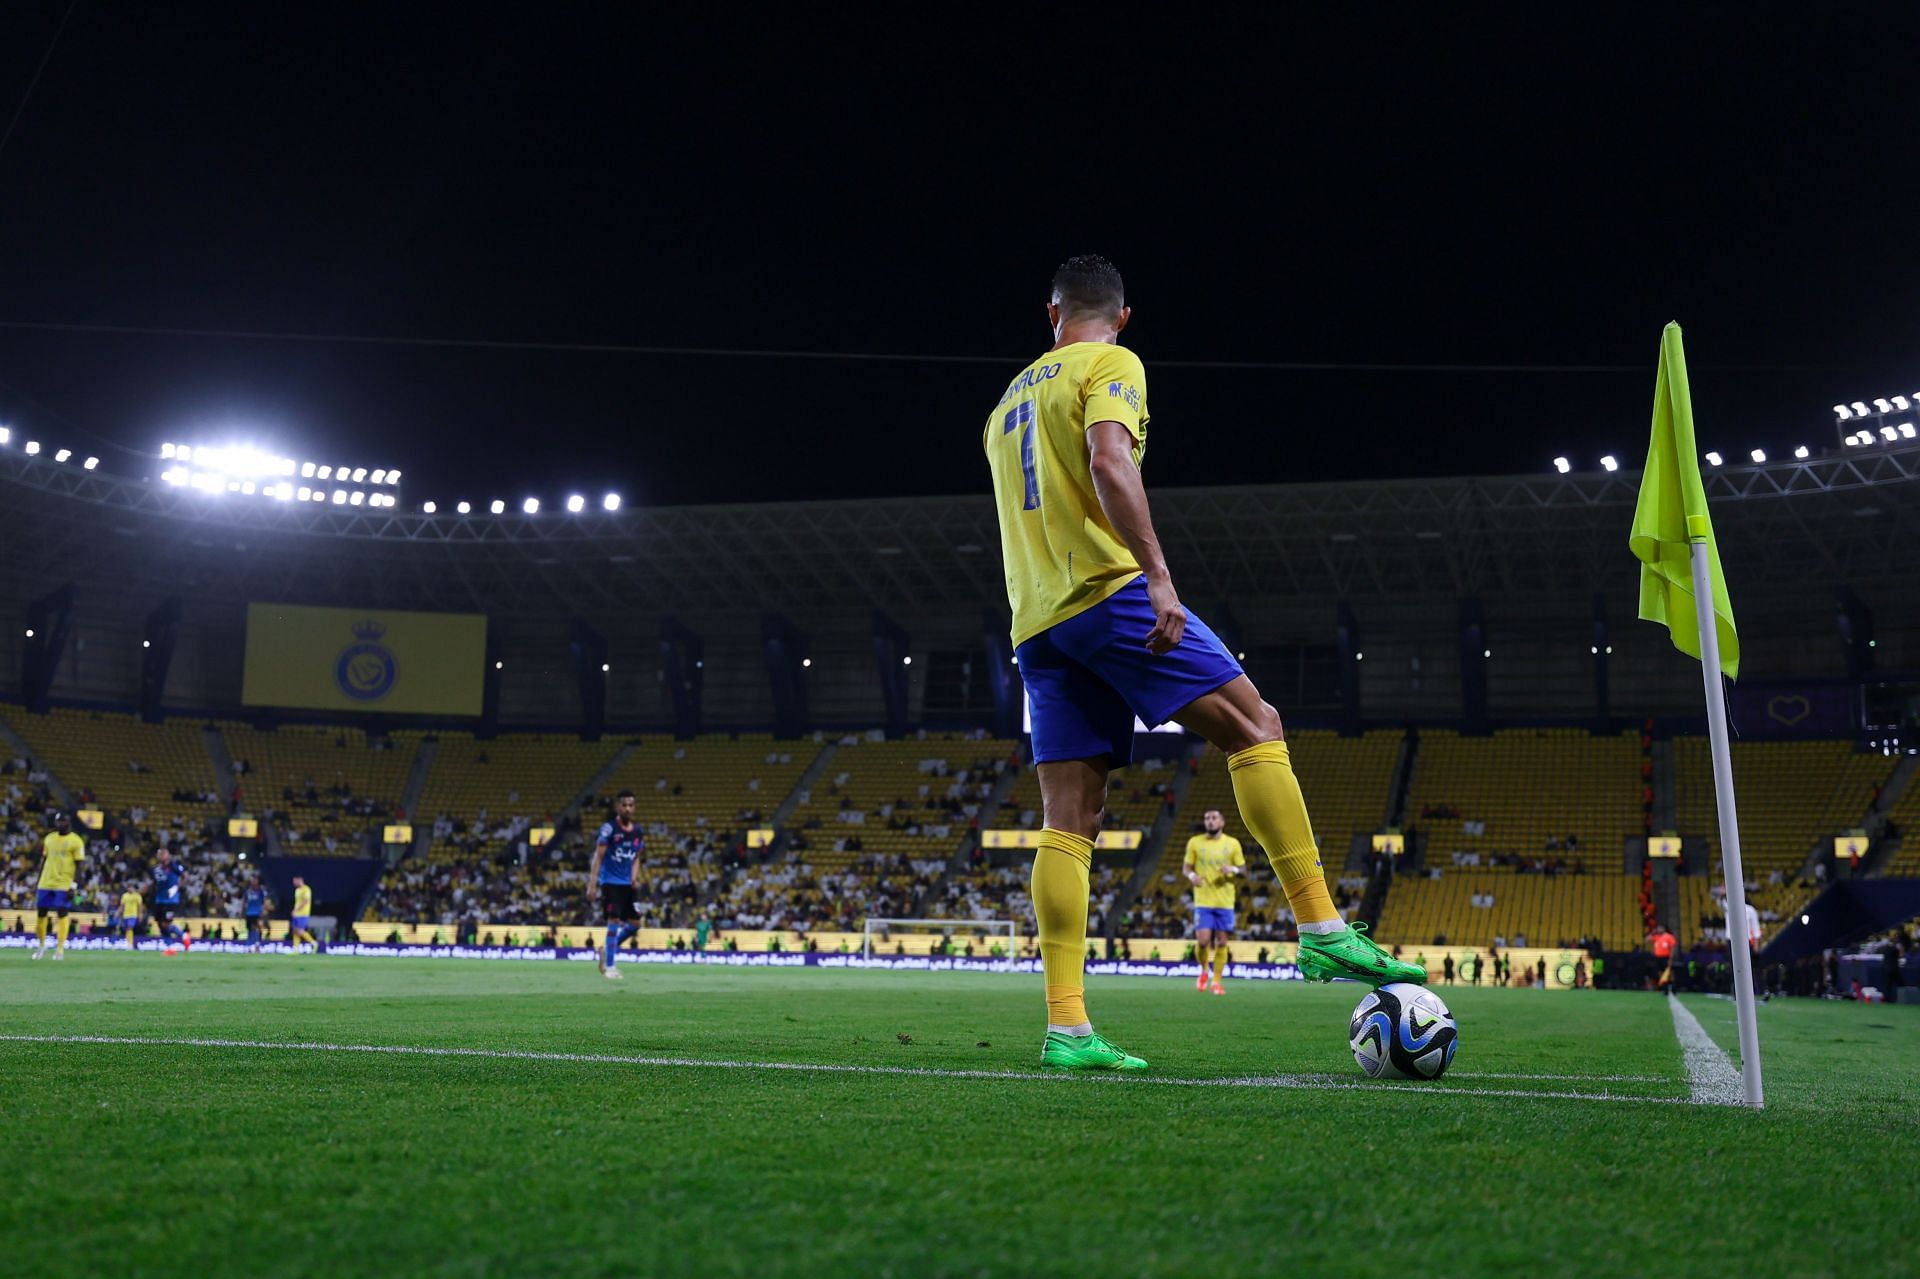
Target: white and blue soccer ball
[{"x": 1403, "y": 1031}]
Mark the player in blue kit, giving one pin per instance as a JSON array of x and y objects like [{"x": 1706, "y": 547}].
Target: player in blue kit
[
  {"x": 254, "y": 908},
  {"x": 167, "y": 900},
  {"x": 615, "y": 852}
]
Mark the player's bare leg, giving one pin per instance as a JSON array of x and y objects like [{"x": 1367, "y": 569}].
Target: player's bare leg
[
  {"x": 1203, "y": 951},
  {"x": 1072, "y": 794},
  {"x": 1236, "y": 720}
]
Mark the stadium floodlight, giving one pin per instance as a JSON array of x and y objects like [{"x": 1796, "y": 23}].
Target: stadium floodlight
[
  {"x": 184, "y": 453},
  {"x": 166, "y": 450},
  {"x": 497, "y": 506},
  {"x": 1562, "y": 465},
  {"x": 33, "y": 448},
  {"x": 531, "y": 506},
  {"x": 1906, "y": 430},
  {"x": 1594, "y": 649},
  {"x": 906, "y": 661},
  {"x": 1887, "y": 433},
  {"x": 1609, "y": 463},
  {"x": 246, "y": 487},
  {"x": 5, "y": 434},
  {"x": 1859, "y": 408},
  {"x": 806, "y": 663},
  {"x": 610, "y": 502},
  {"x": 1758, "y": 455},
  {"x": 1714, "y": 459},
  {"x": 304, "y": 493},
  {"x": 1358, "y": 657},
  {"x": 428, "y": 507},
  {"x": 1486, "y": 652},
  {"x": 339, "y": 497},
  {"x": 1842, "y": 412},
  {"x": 63, "y": 455},
  {"x": 499, "y": 666},
  {"x": 1883, "y": 406},
  {"x": 233, "y": 486},
  {"x": 29, "y": 632},
  {"x": 174, "y": 475},
  {"x": 1802, "y": 452},
  {"x": 605, "y": 667},
  {"x": 306, "y": 470},
  {"x": 356, "y": 498},
  {"x": 1900, "y": 402},
  {"x": 465, "y": 508},
  {"x": 90, "y": 464},
  {"x": 359, "y": 475},
  {"x": 324, "y": 473},
  {"x": 393, "y": 477},
  {"x": 576, "y": 504},
  {"x": 146, "y": 643},
  {"x": 380, "y": 476}
]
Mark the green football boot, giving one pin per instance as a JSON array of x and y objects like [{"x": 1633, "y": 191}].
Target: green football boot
[
  {"x": 1084, "y": 1052},
  {"x": 1355, "y": 956}
]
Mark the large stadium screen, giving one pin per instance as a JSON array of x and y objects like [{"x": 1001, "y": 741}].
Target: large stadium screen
[
  {"x": 398, "y": 833},
  {"x": 539, "y": 836},
  {"x": 91, "y": 818},
  {"x": 1663, "y": 846},
  {"x": 760, "y": 837},
  {"x": 243, "y": 828},
  {"x": 340, "y": 659},
  {"x": 1395, "y": 844},
  {"x": 1849, "y": 846}
]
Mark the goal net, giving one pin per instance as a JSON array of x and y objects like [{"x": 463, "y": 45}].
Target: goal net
[{"x": 952, "y": 938}]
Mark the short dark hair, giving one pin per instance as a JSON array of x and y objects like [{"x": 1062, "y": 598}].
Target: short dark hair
[
  {"x": 1088, "y": 282},
  {"x": 625, "y": 793}
]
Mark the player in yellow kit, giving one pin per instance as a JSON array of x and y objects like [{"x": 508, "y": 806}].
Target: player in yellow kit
[
  {"x": 1101, "y": 638},
  {"x": 1213, "y": 862},
  {"x": 131, "y": 906},
  {"x": 61, "y": 851},
  {"x": 297, "y": 931}
]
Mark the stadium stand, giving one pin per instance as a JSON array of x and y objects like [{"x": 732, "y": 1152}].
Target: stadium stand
[
  {"x": 1791, "y": 795},
  {"x": 322, "y": 786},
  {"x": 482, "y": 795},
  {"x": 1347, "y": 782},
  {"x": 152, "y": 778}
]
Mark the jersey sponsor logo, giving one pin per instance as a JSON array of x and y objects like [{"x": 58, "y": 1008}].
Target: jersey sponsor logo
[
  {"x": 1031, "y": 378},
  {"x": 1125, "y": 391}
]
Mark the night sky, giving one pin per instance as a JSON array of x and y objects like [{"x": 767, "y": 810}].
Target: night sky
[{"x": 1467, "y": 188}]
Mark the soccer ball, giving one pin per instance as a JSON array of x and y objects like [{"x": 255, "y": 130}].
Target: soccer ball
[{"x": 1402, "y": 1031}]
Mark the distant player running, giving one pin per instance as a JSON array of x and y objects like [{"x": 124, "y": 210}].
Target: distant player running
[
  {"x": 131, "y": 907},
  {"x": 1213, "y": 862},
  {"x": 1100, "y": 637},
  {"x": 61, "y": 853},
  {"x": 618, "y": 847},
  {"x": 167, "y": 902},
  {"x": 298, "y": 923},
  {"x": 701, "y": 931}
]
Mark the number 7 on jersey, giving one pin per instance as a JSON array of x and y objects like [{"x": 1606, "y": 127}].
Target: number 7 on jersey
[{"x": 1019, "y": 416}]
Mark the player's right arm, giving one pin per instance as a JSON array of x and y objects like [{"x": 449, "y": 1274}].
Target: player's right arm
[
  {"x": 599, "y": 852},
  {"x": 1193, "y": 876},
  {"x": 1123, "y": 496}
]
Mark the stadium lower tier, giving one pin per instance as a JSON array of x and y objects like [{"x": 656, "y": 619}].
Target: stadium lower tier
[
  {"x": 1473, "y": 908},
  {"x": 1560, "y": 962}
]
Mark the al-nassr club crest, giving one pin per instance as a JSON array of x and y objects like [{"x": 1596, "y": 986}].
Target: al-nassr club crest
[{"x": 365, "y": 669}]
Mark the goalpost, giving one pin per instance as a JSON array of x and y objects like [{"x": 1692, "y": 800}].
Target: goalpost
[{"x": 955, "y": 932}]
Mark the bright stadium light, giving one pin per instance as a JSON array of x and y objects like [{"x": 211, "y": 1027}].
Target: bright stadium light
[
  {"x": 1883, "y": 406},
  {"x": 1714, "y": 459},
  {"x": 356, "y": 498},
  {"x": 174, "y": 475},
  {"x": 806, "y": 662},
  {"x": 184, "y": 453},
  {"x": 63, "y": 455},
  {"x": 393, "y": 477},
  {"x": 1859, "y": 408},
  {"x": 324, "y": 473},
  {"x": 465, "y": 508},
  {"x": 306, "y": 470},
  {"x": 1609, "y": 463},
  {"x": 246, "y": 487},
  {"x": 1758, "y": 455},
  {"x": 5, "y": 434},
  {"x": 428, "y": 507},
  {"x": 1906, "y": 430},
  {"x": 1562, "y": 465},
  {"x": 1887, "y": 433},
  {"x": 605, "y": 667},
  {"x": 29, "y": 632},
  {"x": 33, "y": 448},
  {"x": 146, "y": 643},
  {"x": 1802, "y": 452},
  {"x": 497, "y": 506},
  {"x": 339, "y": 497},
  {"x": 499, "y": 666},
  {"x": 304, "y": 493},
  {"x": 90, "y": 464},
  {"x": 610, "y": 502},
  {"x": 531, "y": 506},
  {"x": 906, "y": 661},
  {"x": 576, "y": 504},
  {"x": 166, "y": 450},
  {"x": 359, "y": 475},
  {"x": 380, "y": 476},
  {"x": 233, "y": 486},
  {"x": 1486, "y": 652},
  {"x": 1900, "y": 402}
]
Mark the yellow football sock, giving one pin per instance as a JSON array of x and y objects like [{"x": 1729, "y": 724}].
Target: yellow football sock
[
  {"x": 60, "y": 927},
  {"x": 1274, "y": 810},
  {"x": 129, "y": 939},
  {"x": 40, "y": 929},
  {"x": 1060, "y": 878},
  {"x": 1219, "y": 962}
]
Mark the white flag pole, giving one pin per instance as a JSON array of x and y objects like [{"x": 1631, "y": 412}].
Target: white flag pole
[{"x": 1729, "y": 830}]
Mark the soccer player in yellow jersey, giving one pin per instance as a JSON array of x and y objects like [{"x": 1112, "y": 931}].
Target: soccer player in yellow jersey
[
  {"x": 62, "y": 851},
  {"x": 1213, "y": 862},
  {"x": 1100, "y": 637},
  {"x": 131, "y": 904},
  {"x": 297, "y": 930}
]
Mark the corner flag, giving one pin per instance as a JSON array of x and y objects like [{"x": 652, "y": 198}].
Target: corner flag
[{"x": 1672, "y": 513}]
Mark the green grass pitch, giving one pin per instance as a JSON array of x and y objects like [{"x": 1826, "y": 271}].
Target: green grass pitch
[{"x": 234, "y": 1159}]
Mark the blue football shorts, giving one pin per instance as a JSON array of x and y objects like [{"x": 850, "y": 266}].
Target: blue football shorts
[
  {"x": 52, "y": 899},
  {"x": 1218, "y": 918},
  {"x": 1088, "y": 677}
]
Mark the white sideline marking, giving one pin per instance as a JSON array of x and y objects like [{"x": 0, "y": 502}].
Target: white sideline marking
[
  {"x": 1321, "y": 1082},
  {"x": 1711, "y": 1078}
]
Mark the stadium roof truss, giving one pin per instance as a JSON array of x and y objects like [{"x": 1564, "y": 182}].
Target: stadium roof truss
[{"x": 1851, "y": 516}]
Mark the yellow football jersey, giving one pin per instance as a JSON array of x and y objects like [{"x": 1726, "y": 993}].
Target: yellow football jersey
[
  {"x": 62, "y": 851},
  {"x": 130, "y": 905},
  {"x": 1062, "y": 555},
  {"x": 1206, "y": 856},
  {"x": 303, "y": 901}
]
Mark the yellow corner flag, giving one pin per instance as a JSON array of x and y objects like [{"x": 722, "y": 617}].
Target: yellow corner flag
[{"x": 1672, "y": 515}]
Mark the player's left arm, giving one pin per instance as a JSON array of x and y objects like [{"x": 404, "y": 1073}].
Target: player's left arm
[{"x": 1237, "y": 863}]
